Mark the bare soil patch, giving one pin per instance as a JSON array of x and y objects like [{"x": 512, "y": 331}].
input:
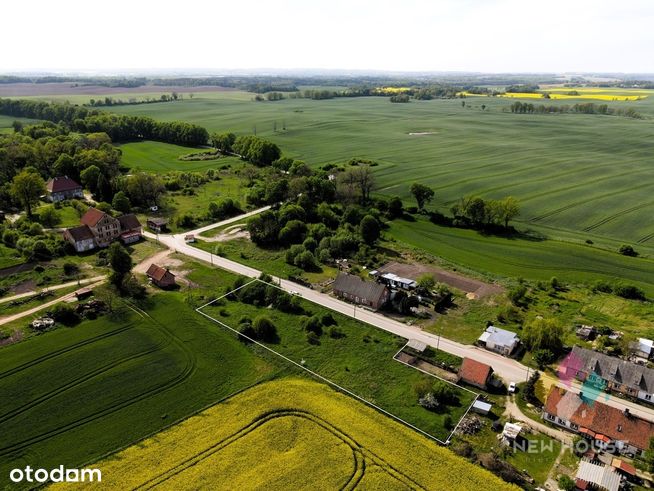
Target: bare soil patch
[
  {"x": 422, "y": 133},
  {"x": 472, "y": 286},
  {"x": 230, "y": 233},
  {"x": 68, "y": 88}
]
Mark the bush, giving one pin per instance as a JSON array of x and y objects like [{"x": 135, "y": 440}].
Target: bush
[
  {"x": 185, "y": 221},
  {"x": 627, "y": 250},
  {"x": 517, "y": 295},
  {"x": 306, "y": 261},
  {"x": 603, "y": 286},
  {"x": 65, "y": 313},
  {"x": 50, "y": 217},
  {"x": 264, "y": 329},
  {"x": 328, "y": 320},
  {"x": 313, "y": 324},
  {"x": 70, "y": 269},
  {"x": 630, "y": 292},
  {"x": 313, "y": 338},
  {"x": 566, "y": 483},
  {"x": 543, "y": 357}
]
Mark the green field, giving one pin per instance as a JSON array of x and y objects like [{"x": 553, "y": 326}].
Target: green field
[
  {"x": 163, "y": 157},
  {"x": 524, "y": 257},
  {"x": 586, "y": 173},
  {"x": 78, "y": 393}
]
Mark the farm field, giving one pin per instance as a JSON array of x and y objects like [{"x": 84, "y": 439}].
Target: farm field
[
  {"x": 79, "y": 393},
  {"x": 571, "y": 172},
  {"x": 160, "y": 157},
  {"x": 530, "y": 259},
  {"x": 359, "y": 358},
  {"x": 309, "y": 434}
]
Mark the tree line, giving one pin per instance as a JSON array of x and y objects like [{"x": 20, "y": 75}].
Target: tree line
[
  {"x": 582, "y": 108},
  {"x": 118, "y": 127}
]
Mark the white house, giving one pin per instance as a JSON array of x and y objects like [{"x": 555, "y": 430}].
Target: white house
[{"x": 499, "y": 340}]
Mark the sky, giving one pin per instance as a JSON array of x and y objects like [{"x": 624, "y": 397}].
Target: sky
[{"x": 401, "y": 35}]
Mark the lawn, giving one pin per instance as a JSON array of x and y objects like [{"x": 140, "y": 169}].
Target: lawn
[
  {"x": 9, "y": 257},
  {"x": 79, "y": 393},
  {"x": 360, "y": 360},
  {"x": 69, "y": 215},
  {"x": 308, "y": 434},
  {"x": 588, "y": 174}
]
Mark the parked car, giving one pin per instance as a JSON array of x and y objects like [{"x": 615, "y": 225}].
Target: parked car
[{"x": 512, "y": 388}]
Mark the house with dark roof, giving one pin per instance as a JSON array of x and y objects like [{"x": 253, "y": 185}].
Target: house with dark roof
[
  {"x": 609, "y": 372},
  {"x": 61, "y": 188},
  {"x": 130, "y": 228},
  {"x": 354, "y": 289},
  {"x": 605, "y": 425},
  {"x": 499, "y": 340},
  {"x": 475, "y": 373},
  {"x": 104, "y": 227},
  {"x": 157, "y": 224},
  {"x": 81, "y": 237},
  {"x": 161, "y": 277}
]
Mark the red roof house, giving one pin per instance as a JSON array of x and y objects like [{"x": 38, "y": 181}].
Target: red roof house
[
  {"x": 475, "y": 373},
  {"x": 161, "y": 277},
  {"x": 61, "y": 188}
]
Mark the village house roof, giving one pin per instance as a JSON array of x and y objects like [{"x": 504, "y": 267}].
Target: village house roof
[
  {"x": 157, "y": 221},
  {"x": 129, "y": 222},
  {"x": 80, "y": 233},
  {"x": 92, "y": 217},
  {"x": 157, "y": 272},
  {"x": 614, "y": 369},
  {"x": 602, "y": 420},
  {"x": 601, "y": 475},
  {"x": 475, "y": 372},
  {"x": 353, "y": 285},
  {"x": 61, "y": 184},
  {"x": 499, "y": 337}
]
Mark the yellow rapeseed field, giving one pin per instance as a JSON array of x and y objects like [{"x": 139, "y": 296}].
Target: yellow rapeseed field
[
  {"x": 290, "y": 434},
  {"x": 592, "y": 93}
]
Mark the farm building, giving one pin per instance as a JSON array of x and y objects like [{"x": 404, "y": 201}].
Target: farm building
[
  {"x": 499, "y": 340},
  {"x": 354, "y": 289},
  {"x": 61, "y": 188},
  {"x": 394, "y": 281},
  {"x": 161, "y": 277},
  {"x": 130, "y": 228},
  {"x": 643, "y": 348},
  {"x": 81, "y": 237},
  {"x": 475, "y": 373},
  {"x": 597, "y": 475},
  {"x": 602, "y": 370},
  {"x": 157, "y": 224},
  {"x": 601, "y": 423},
  {"x": 104, "y": 227}
]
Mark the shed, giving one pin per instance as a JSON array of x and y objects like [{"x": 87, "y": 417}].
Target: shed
[
  {"x": 605, "y": 477},
  {"x": 419, "y": 346},
  {"x": 475, "y": 373},
  {"x": 481, "y": 407},
  {"x": 161, "y": 277},
  {"x": 511, "y": 431},
  {"x": 83, "y": 293}
]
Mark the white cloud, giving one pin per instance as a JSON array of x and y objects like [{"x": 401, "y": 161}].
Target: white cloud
[{"x": 471, "y": 35}]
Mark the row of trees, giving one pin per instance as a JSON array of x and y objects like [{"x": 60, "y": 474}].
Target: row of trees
[
  {"x": 118, "y": 127},
  {"x": 477, "y": 212},
  {"x": 583, "y": 108}
]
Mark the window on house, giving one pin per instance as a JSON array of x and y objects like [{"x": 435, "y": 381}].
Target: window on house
[{"x": 648, "y": 397}]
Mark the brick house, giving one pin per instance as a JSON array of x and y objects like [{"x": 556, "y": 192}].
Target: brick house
[
  {"x": 61, "y": 188},
  {"x": 161, "y": 277},
  {"x": 605, "y": 425},
  {"x": 609, "y": 372},
  {"x": 354, "y": 289},
  {"x": 475, "y": 373},
  {"x": 130, "y": 228},
  {"x": 81, "y": 237},
  {"x": 104, "y": 227}
]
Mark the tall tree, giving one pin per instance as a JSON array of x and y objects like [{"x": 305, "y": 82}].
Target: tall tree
[
  {"x": 26, "y": 187},
  {"x": 121, "y": 263},
  {"x": 509, "y": 208},
  {"x": 369, "y": 229},
  {"x": 423, "y": 194}
]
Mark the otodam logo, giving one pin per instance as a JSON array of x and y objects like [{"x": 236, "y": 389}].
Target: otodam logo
[
  {"x": 592, "y": 386},
  {"x": 58, "y": 474}
]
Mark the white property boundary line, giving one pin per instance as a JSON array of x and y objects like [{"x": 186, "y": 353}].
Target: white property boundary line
[{"x": 326, "y": 380}]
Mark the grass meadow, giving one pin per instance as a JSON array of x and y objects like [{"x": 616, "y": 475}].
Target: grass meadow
[{"x": 308, "y": 433}]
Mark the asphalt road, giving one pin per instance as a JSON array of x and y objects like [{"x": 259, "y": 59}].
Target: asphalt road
[{"x": 508, "y": 369}]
